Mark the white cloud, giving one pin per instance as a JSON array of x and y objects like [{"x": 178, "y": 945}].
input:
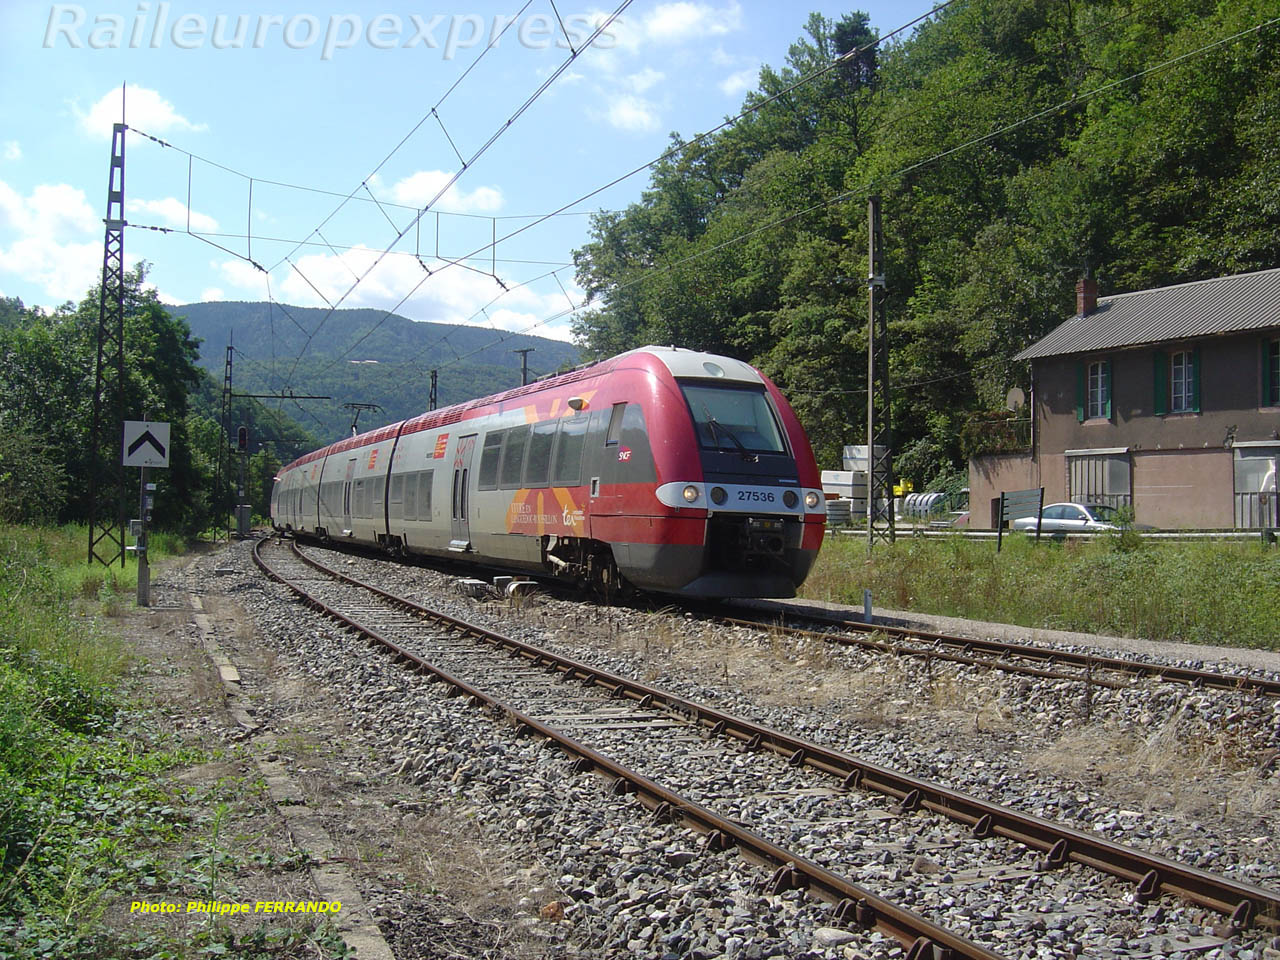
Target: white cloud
[
  {"x": 646, "y": 78},
  {"x": 212, "y": 293},
  {"x": 740, "y": 82},
  {"x": 668, "y": 24},
  {"x": 174, "y": 213},
  {"x": 145, "y": 110},
  {"x": 417, "y": 189},
  {"x": 50, "y": 240},
  {"x": 631, "y": 113},
  {"x": 678, "y": 22},
  {"x": 12, "y": 150},
  {"x": 245, "y": 276}
]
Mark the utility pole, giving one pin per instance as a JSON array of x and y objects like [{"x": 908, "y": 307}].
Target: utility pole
[
  {"x": 431, "y": 397},
  {"x": 146, "y": 502},
  {"x": 106, "y": 466},
  {"x": 224, "y": 440},
  {"x": 879, "y": 427},
  {"x": 524, "y": 364}
]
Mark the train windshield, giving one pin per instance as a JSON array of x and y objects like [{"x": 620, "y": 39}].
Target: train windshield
[{"x": 733, "y": 418}]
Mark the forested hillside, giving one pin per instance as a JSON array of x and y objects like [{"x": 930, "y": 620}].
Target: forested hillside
[
  {"x": 360, "y": 356},
  {"x": 47, "y": 365},
  {"x": 1015, "y": 145}
]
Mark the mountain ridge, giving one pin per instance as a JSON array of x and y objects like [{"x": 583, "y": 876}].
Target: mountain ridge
[{"x": 360, "y": 355}]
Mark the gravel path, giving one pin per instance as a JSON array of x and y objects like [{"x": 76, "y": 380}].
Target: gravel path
[{"x": 1024, "y": 716}]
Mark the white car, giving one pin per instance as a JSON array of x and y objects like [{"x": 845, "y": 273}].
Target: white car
[{"x": 1072, "y": 518}]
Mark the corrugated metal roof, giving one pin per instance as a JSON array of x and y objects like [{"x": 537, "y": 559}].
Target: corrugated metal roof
[{"x": 1246, "y": 301}]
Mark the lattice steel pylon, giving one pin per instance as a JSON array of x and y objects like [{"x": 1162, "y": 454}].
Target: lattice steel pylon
[
  {"x": 879, "y": 424},
  {"x": 106, "y": 468}
]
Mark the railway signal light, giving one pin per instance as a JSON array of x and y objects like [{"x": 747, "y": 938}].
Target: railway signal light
[{"x": 242, "y": 440}]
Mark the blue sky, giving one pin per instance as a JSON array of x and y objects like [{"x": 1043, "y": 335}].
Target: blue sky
[{"x": 318, "y": 95}]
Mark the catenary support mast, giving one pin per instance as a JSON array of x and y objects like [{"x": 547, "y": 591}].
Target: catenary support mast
[
  {"x": 879, "y": 428},
  {"x": 106, "y": 466}
]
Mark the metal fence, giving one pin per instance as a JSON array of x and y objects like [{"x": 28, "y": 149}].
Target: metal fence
[{"x": 1255, "y": 511}]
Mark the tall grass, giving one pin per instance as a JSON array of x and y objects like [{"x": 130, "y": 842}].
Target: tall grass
[
  {"x": 75, "y": 789},
  {"x": 1217, "y": 593}
]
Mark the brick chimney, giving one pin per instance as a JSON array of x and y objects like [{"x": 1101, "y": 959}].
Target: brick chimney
[{"x": 1086, "y": 296}]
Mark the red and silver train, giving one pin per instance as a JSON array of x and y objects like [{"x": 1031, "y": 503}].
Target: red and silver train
[{"x": 666, "y": 469}]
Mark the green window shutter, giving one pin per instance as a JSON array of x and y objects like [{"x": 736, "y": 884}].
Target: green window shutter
[
  {"x": 1080, "y": 392},
  {"x": 1267, "y": 374},
  {"x": 1195, "y": 380},
  {"x": 1107, "y": 384},
  {"x": 1160, "y": 376}
]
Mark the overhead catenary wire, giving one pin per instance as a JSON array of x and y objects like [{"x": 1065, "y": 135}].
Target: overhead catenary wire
[
  {"x": 1074, "y": 100},
  {"x": 666, "y": 155},
  {"x": 261, "y": 238},
  {"x": 806, "y": 79},
  {"x": 566, "y": 208},
  {"x": 497, "y": 134}
]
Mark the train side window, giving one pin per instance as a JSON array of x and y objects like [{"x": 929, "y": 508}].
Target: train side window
[
  {"x": 489, "y": 458},
  {"x": 395, "y": 503},
  {"x": 411, "y": 496},
  {"x": 568, "y": 466},
  {"x": 537, "y": 467},
  {"x": 361, "y": 510},
  {"x": 614, "y": 434},
  {"x": 513, "y": 457},
  {"x": 424, "y": 494}
]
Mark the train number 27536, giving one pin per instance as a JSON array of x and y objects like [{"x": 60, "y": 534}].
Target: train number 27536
[{"x": 756, "y": 495}]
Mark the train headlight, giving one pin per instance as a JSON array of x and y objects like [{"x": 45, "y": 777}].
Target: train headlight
[
  {"x": 690, "y": 493},
  {"x": 718, "y": 495},
  {"x": 811, "y": 499},
  {"x": 791, "y": 498}
]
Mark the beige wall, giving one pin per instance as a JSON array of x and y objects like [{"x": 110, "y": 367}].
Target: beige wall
[
  {"x": 1182, "y": 463},
  {"x": 1183, "y": 488},
  {"x": 992, "y": 474},
  {"x": 1230, "y": 396}
]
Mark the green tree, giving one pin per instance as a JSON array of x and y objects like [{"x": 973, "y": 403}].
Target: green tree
[{"x": 1015, "y": 144}]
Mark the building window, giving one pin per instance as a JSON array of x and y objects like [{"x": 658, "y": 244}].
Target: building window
[
  {"x": 1181, "y": 376},
  {"x": 1099, "y": 397}
]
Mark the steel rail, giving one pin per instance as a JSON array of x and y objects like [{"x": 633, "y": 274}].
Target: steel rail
[
  {"x": 1088, "y": 661},
  {"x": 1243, "y": 904},
  {"x": 924, "y": 939}
]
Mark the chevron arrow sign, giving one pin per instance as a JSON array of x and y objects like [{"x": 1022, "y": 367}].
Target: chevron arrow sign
[{"x": 146, "y": 443}]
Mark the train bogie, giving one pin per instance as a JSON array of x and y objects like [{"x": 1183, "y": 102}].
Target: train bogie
[{"x": 672, "y": 470}]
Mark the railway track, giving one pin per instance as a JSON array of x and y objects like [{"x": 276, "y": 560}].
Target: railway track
[
  {"x": 610, "y": 713},
  {"x": 1023, "y": 658}
]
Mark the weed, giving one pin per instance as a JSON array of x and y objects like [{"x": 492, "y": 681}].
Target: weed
[{"x": 1216, "y": 593}]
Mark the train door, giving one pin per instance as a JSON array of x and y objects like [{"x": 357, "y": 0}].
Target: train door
[
  {"x": 461, "y": 529},
  {"x": 346, "y": 497}
]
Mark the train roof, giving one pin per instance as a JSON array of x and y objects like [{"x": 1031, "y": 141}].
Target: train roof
[{"x": 679, "y": 362}]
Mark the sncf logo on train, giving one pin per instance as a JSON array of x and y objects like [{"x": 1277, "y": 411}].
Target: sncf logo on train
[{"x": 624, "y": 454}]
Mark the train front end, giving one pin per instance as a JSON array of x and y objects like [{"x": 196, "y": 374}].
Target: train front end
[{"x": 738, "y": 488}]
